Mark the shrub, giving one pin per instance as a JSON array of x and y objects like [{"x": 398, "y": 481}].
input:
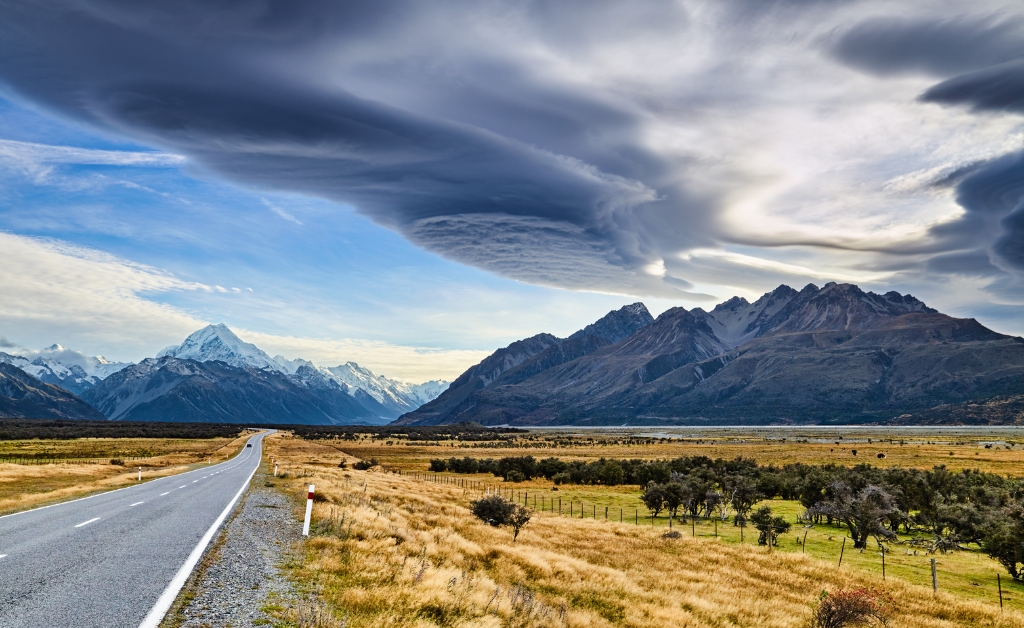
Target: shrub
[
  {"x": 516, "y": 476},
  {"x": 855, "y": 607},
  {"x": 363, "y": 465},
  {"x": 438, "y": 466},
  {"x": 498, "y": 511},
  {"x": 118, "y": 462},
  {"x": 493, "y": 510}
]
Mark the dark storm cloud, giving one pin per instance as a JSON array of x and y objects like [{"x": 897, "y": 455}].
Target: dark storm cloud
[
  {"x": 997, "y": 88},
  {"x": 540, "y": 140},
  {"x": 992, "y": 197},
  {"x": 886, "y": 45},
  {"x": 490, "y": 167}
]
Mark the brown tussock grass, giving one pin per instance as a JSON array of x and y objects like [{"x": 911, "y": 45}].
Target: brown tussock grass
[
  {"x": 33, "y": 485},
  {"x": 392, "y": 551}
]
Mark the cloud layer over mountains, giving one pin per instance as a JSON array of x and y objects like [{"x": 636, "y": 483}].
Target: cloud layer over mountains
[{"x": 589, "y": 145}]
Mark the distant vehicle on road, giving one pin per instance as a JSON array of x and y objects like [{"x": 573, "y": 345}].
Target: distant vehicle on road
[{"x": 248, "y": 445}]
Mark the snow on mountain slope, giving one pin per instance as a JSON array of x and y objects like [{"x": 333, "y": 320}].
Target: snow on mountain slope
[
  {"x": 397, "y": 396},
  {"x": 218, "y": 343},
  {"x": 69, "y": 369}
]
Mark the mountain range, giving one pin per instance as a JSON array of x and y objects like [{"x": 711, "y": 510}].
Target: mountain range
[
  {"x": 213, "y": 376},
  {"x": 835, "y": 354},
  {"x": 69, "y": 369},
  {"x": 25, "y": 396}
]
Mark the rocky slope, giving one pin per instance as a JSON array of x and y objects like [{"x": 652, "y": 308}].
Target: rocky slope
[
  {"x": 384, "y": 397},
  {"x": 834, "y": 354},
  {"x": 24, "y": 396},
  {"x": 523, "y": 360},
  {"x": 173, "y": 389},
  {"x": 69, "y": 369}
]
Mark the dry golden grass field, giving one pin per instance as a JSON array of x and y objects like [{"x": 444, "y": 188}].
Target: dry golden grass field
[
  {"x": 82, "y": 466},
  {"x": 390, "y": 550}
]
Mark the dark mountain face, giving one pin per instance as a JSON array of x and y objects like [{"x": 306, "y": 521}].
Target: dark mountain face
[
  {"x": 171, "y": 389},
  {"x": 834, "y": 354},
  {"x": 523, "y": 359},
  {"x": 24, "y": 396}
]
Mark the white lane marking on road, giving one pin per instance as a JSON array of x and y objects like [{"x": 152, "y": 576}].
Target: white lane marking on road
[
  {"x": 136, "y": 504},
  {"x": 194, "y": 481},
  {"x": 156, "y": 614},
  {"x": 182, "y": 486},
  {"x": 167, "y": 493},
  {"x": 85, "y": 523},
  {"x": 3, "y": 555}
]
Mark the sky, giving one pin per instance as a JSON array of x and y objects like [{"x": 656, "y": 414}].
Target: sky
[{"x": 411, "y": 185}]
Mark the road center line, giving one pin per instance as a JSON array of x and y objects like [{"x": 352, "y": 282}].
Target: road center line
[
  {"x": 3, "y": 555},
  {"x": 136, "y": 504},
  {"x": 194, "y": 481},
  {"x": 85, "y": 523},
  {"x": 182, "y": 486},
  {"x": 167, "y": 493}
]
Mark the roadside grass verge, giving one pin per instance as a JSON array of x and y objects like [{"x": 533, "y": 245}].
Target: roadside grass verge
[
  {"x": 25, "y": 486},
  {"x": 388, "y": 550}
]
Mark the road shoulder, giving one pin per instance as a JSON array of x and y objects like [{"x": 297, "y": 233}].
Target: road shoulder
[{"x": 240, "y": 582}]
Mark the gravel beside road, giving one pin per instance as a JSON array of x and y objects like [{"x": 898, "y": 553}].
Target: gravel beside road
[{"x": 241, "y": 576}]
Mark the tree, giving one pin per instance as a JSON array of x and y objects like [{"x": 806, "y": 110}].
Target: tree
[
  {"x": 497, "y": 511},
  {"x": 1004, "y": 540},
  {"x": 493, "y": 510},
  {"x": 863, "y": 512},
  {"x": 769, "y": 527},
  {"x": 518, "y": 518},
  {"x": 654, "y": 498},
  {"x": 673, "y": 497},
  {"x": 743, "y": 496}
]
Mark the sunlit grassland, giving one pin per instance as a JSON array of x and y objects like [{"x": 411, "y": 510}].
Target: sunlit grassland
[
  {"x": 82, "y": 466},
  {"x": 396, "y": 551}
]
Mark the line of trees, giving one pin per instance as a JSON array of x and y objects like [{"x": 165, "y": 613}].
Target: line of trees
[
  {"x": 952, "y": 509},
  {"x": 25, "y": 429}
]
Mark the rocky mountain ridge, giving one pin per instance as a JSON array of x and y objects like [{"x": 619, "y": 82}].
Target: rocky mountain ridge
[
  {"x": 69, "y": 369},
  {"x": 817, "y": 355},
  {"x": 24, "y": 396},
  {"x": 176, "y": 389}
]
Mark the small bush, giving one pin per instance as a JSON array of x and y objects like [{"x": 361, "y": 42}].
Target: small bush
[
  {"x": 498, "y": 511},
  {"x": 493, "y": 510},
  {"x": 117, "y": 461},
  {"x": 363, "y": 465},
  {"x": 516, "y": 476},
  {"x": 854, "y": 607},
  {"x": 342, "y": 465}
]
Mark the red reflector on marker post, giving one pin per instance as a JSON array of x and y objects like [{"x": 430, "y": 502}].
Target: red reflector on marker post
[{"x": 309, "y": 511}]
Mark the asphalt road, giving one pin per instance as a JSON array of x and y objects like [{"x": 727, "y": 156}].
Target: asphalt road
[{"x": 108, "y": 560}]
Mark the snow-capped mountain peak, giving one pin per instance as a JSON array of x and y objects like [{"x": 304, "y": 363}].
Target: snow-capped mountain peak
[
  {"x": 67, "y": 368},
  {"x": 218, "y": 343}
]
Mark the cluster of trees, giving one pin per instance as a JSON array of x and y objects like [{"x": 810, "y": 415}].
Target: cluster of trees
[
  {"x": 952, "y": 509},
  {"x": 24, "y": 429}
]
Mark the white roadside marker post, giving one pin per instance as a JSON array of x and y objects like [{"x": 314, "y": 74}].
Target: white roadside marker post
[
  {"x": 140, "y": 474},
  {"x": 275, "y": 469},
  {"x": 309, "y": 512}
]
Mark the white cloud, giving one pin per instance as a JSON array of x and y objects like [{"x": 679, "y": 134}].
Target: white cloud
[
  {"x": 280, "y": 212},
  {"x": 53, "y": 291},
  {"x": 101, "y": 304}
]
